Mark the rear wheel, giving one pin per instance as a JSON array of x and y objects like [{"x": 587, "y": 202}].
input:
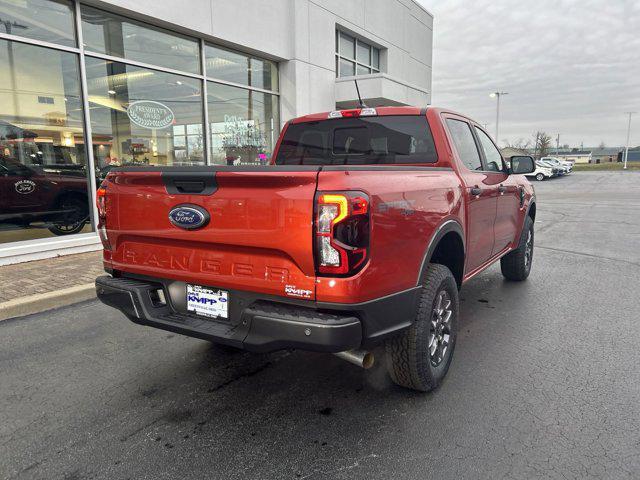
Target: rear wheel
[
  {"x": 419, "y": 358},
  {"x": 517, "y": 264},
  {"x": 72, "y": 220},
  {"x": 539, "y": 177}
]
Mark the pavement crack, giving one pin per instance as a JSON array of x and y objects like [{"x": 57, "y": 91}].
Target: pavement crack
[
  {"x": 248, "y": 374},
  {"x": 327, "y": 473},
  {"x": 141, "y": 428},
  {"x": 602, "y": 257}
]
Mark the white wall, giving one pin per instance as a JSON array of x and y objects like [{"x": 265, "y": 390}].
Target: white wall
[{"x": 301, "y": 35}]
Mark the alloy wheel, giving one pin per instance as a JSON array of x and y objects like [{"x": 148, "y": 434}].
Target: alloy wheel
[
  {"x": 440, "y": 328},
  {"x": 528, "y": 249}
]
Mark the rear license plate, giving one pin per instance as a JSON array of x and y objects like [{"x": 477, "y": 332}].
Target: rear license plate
[{"x": 207, "y": 302}]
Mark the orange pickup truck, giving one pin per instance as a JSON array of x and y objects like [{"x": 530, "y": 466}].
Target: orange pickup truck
[{"x": 359, "y": 233}]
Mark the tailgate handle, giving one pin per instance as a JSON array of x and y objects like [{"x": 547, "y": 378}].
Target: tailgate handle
[
  {"x": 189, "y": 182},
  {"x": 185, "y": 186}
]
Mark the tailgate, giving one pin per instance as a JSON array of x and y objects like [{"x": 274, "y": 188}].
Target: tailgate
[{"x": 258, "y": 237}]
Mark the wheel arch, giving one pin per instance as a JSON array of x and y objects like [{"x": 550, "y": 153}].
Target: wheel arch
[
  {"x": 531, "y": 210},
  {"x": 530, "y": 213},
  {"x": 447, "y": 248}
]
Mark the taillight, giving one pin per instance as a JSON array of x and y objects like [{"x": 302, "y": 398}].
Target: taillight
[
  {"x": 341, "y": 232},
  {"x": 101, "y": 202}
]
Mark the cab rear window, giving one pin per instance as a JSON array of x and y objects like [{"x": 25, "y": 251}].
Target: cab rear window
[{"x": 393, "y": 139}]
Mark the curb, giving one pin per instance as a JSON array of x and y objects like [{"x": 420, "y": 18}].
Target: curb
[{"x": 41, "y": 302}]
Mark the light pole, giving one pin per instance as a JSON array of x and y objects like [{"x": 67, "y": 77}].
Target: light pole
[
  {"x": 497, "y": 96},
  {"x": 626, "y": 150}
]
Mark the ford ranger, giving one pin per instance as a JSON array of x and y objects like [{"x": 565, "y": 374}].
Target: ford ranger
[{"x": 359, "y": 233}]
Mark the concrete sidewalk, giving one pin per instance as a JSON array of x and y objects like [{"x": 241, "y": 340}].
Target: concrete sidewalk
[{"x": 33, "y": 287}]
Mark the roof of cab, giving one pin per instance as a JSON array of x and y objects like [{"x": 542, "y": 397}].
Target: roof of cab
[{"x": 381, "y": 111}]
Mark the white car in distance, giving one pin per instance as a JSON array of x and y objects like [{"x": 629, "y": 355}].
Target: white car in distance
[
  {"x": 563, "y": 164},
  {"x": 541, "y": 172}
]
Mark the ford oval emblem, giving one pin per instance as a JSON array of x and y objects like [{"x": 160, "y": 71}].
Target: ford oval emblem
[{"x": 189, "y": 217}]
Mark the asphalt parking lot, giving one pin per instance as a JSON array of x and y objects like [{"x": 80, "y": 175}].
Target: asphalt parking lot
[{"x": 545, "y": 381}]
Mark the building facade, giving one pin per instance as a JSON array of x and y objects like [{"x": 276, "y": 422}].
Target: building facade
[
  {"x": 89, "y": 86},
  {"x": 605, "y": 154},
  {"x": 574, "y": 155}
]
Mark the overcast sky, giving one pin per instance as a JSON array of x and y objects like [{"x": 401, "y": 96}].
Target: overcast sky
[{"x": 570, "y": 67}]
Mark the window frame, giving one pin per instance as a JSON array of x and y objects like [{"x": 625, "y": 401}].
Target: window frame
[
  {"x": 329, "y": 142},
  {"x": 473, "y": 136},
  {"x": 143, "y": 25},
  {"x": 483, "y": 157},
  {"x": 357, "y": 41}
]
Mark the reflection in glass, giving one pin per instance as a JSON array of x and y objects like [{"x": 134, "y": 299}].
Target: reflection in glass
[
  {"x": 363, "y": 70},
  {"x": 364, "y": 53},
  {"x": 347, "y": 46},
  {"x": 143, "y": 117},
  {"x": 43, "y": 166},
  {"x": 244, "y": 125},
  {"x": 223, "y": 64},
  {"x": 45, "y": 20},
  {"x": 375, "y": 58},
  {"x": 347, "y": 69},
  {"x": 111, "y": 34}
]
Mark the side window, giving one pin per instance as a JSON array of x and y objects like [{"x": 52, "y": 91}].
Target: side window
[
  {"x": 491, "y": 153},
  {"x": 465, "y": 144}
]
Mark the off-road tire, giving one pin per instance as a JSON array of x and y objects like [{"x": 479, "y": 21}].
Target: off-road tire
[
  {"x": 516, "y": 265},
  {"x": 408, "y": 358}
]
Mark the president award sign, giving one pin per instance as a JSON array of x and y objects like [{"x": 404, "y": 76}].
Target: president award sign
[{"x": 150, "y": 114}]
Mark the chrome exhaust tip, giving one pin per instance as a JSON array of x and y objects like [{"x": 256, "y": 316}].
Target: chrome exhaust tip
[{"x": 361, "y": 358}]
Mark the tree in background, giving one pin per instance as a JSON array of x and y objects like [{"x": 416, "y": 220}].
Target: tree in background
[
  {"x": 520, "y": 144},
  {"x": 542, "y": 144},
  {"x": 602, "y": 145}
]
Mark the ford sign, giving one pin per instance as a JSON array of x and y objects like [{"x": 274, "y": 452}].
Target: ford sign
[
  {"x": 25, "y": 187},
  {"x": 189, "y": 217}
]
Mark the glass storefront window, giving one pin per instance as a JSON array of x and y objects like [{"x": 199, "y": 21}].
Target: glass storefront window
[
  {"x": 143, "y": 117},
  {"x": 244, "y": 125},
  {"x": 111, "y": 34},
  {"x": 44, "y": 20},
  {"x": 43, "y": 167},
  {"x": 223, "y": 64},
  {"x": 138, "y": 115}
]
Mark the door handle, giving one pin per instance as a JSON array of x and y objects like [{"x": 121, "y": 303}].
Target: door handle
[
  {"x": 502, "y": 189},
  {"x": 476, "y": 191}
]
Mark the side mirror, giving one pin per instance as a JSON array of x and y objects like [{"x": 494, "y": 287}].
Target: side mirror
[{"x": 521, "y": 165}]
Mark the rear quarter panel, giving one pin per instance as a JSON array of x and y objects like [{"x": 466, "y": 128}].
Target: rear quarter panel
[{"x": 407, "y": 205}]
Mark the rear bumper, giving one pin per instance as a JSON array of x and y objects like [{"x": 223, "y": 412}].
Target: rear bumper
[{"x": 261, "y": 323}]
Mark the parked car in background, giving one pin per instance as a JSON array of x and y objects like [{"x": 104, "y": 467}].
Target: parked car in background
[
  {"x": 565, "y": 166},
  {"x": 556, "y": 169},
  {"x": 542, "y": 172},
  {"x": 54, "y": 194}
]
